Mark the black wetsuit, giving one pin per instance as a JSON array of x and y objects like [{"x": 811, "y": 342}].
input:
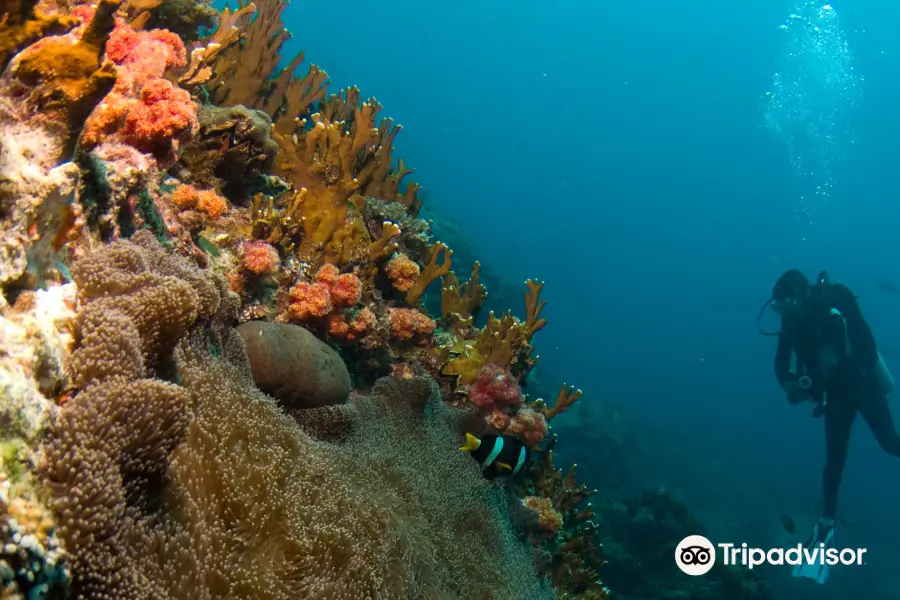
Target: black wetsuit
[{"x": 850, "y": 386}]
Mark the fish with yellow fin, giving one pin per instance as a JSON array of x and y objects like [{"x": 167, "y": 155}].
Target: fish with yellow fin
[{"x": 498, "y": 455}]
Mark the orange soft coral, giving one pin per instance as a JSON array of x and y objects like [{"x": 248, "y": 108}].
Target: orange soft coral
[
  {"x": 188, "y": 197},
  {"x": 331, "y": 291},
  {"x": 185, "y": 197},
  {"x": 346, "y": 289},
  {"x": 403, "y": 272},
  {"x": 213, "y": 204},
  {"x": 549, "y": 519},
  {"x": 407, "y": 323},
  {"x": 348, "y": 328},
  {"x": 260, "y": 258},
  {"x": 310, "y": 300}
]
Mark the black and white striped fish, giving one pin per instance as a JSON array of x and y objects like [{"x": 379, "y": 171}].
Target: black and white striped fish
[{"x": 498, "y": 455}]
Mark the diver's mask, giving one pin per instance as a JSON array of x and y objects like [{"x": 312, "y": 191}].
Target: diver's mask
[
  {"x": 783, "y": 306},
  {"x": 780, "y": 306}
]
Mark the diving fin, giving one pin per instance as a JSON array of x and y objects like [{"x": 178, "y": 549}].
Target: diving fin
[{"x": 820, "y": 540}]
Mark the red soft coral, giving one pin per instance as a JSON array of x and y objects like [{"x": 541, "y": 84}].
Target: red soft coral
[
  {"x": 495, "y": 387},
  {"x": 164, "y": 115},
  {"x": 144, "y": 110}
]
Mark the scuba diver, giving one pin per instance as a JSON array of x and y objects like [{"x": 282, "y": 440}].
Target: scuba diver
[{"x": 836, "y": 366}]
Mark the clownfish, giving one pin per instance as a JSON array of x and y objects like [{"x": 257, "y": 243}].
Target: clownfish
[{"x": 498, "y": 455}]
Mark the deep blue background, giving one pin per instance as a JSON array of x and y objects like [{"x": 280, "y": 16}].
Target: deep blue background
[{"x": 617, "y": 151}]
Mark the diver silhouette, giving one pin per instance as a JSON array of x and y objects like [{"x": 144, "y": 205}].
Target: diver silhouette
[{"x": 838, "y": 367}]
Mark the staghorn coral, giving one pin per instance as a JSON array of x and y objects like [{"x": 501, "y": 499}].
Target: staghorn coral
[
  {"x": 565, "y": 399},
  {"x": 437, "y": 266},
  {"x": 464, "y": 300},
  {"x": 533, "y": 307},
  {"x": 333, "y": 157}
]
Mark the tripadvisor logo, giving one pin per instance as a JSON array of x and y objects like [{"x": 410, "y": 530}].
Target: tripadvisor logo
[{"x": 696, "y": 555}]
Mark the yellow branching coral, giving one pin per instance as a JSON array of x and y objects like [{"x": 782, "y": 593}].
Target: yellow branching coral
[
  {"x": 438, "y": 265},
  {"x": 564, "y": 400},
  {"x": 464, "y": 300},
  {"x": 336, "y": 154},
  {"x": 502, "y": 342},
  {"x": 243, "y": 73},
  {"x": 228, "y": 33},
  {"x": 533, "y": 307},
  {"x": 384, "y": 245}
]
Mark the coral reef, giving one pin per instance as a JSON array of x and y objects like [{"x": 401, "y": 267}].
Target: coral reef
[
  {"x": 219, "y": 340},
  {"x": 574, "y": 553},
  {"x": 193, "y": 468},
  {"x": 640, "y": 533}
]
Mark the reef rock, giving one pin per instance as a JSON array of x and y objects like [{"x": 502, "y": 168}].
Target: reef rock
[{"x": 290, "y": 363}]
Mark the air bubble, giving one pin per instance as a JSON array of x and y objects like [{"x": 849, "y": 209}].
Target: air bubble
[{"x": 814, "y": 92}]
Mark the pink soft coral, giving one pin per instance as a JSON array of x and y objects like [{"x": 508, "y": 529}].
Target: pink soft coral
[
  {"x": 495, "y": 387},
  {"x": 528, "y": 425}
]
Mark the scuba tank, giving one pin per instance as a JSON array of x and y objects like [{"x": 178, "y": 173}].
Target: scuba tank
[{"x": 883, "y": 376}]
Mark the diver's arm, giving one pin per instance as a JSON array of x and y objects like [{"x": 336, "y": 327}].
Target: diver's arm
[
  {"x": 788, "y": 379},
  {"x": 783, "y": 360}
]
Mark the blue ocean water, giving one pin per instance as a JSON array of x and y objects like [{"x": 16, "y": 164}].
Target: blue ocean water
[{"x": 625, "y": 153}]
